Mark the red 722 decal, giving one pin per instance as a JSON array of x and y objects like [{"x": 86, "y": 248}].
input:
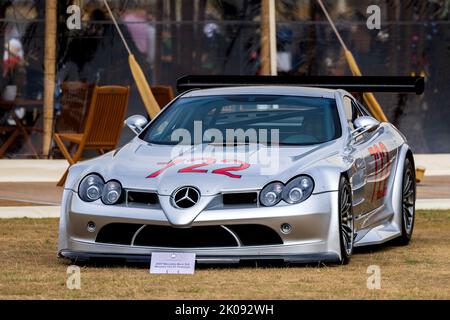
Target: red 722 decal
[{"x": 227, "y": 171}]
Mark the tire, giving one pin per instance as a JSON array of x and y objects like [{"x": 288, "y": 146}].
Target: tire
[
  {"x": 346, "y": 223},
  {"x": 408, "y": 200}
]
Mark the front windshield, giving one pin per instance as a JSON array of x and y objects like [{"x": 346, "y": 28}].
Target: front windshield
[{"x": 290, "y": 120}]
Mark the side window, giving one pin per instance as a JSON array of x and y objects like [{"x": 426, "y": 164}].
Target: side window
[{"x": 351, "y": 111}]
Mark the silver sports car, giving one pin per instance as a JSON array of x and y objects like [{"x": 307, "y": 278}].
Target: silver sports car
[{"x": 300, "y": 173}]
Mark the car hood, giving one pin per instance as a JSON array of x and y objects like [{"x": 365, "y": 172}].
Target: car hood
[{"x": 211, "y": 169}]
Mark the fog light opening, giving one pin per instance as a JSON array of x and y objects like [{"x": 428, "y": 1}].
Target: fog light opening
[
  {"x": 286, "y": 228},
  {"x": 90, "y": 226}
]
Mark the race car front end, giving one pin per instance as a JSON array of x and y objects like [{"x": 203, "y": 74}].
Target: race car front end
[{"x": 226, "y": 227}]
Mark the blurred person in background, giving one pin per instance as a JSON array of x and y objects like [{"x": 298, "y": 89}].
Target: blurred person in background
[
  {"x": 13, "y": 57},
  {"x": 212, "y": 51}
]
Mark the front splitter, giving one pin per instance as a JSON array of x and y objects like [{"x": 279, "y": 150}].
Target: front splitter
[{"x": 139, "y": 258}]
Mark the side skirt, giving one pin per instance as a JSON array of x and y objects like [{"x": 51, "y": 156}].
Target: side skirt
[{"x": 380, "y": 234}]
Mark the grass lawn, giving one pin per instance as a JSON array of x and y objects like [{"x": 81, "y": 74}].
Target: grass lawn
[{"x": 29, "y": 269}]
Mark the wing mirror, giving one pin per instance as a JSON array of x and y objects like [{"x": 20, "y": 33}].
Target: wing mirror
[
  {"x": 136, "y": 123},
  {"x": 364, "y": 124}
]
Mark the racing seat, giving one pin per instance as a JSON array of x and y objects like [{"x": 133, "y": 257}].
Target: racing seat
[{"x": 103, "y": 125}]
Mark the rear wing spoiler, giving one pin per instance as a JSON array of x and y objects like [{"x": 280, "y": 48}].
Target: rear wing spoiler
[{"x": 350, "y": 83}]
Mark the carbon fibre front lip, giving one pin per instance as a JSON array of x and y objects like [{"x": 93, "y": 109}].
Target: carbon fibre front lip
[{"x": 138, "y": 258}]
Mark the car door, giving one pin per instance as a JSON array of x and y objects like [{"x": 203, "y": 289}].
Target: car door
[
  {"x": 362, "y": 184},
  {"x": 378, "y": 151}
]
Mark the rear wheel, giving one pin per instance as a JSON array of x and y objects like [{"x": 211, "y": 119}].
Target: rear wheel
[
  {"x": 408, "y": 201},
  {"x": 346, "y": 225}
]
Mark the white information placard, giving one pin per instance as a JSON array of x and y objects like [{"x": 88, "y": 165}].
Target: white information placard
[{"x": 172, "y": 263}]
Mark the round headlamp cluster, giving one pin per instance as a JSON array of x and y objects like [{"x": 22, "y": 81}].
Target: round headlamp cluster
[
  {"x": 295, "y": 191},
  {"x": 271, "y": 194},
  {"x": 92, "y": 188}
]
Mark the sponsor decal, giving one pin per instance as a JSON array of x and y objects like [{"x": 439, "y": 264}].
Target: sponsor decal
[{"x": 380, "y": 155}]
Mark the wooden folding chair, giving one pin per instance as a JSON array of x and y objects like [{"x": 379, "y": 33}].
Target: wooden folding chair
[
  {"x": 163, "y": 94},
  {"x": 75, "y": 98},
  {"x": 103, "y": 125},
  {"x": 19, "y": 129},
  {"x": 74, "y": 105}
]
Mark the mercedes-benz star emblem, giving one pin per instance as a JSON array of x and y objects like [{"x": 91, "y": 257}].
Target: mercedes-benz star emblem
[{"x": 185, "y": 197}]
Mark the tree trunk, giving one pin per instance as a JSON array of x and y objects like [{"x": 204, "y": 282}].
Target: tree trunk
[
  {"x": 49, "y": 73},
  {"x": 265, "y": 34}
]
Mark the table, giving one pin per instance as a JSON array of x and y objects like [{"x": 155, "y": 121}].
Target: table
[{"x": 19, "y": 128}]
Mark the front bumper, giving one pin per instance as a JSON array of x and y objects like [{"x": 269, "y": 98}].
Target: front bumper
[
  {"x": 314, "y": 235},
  {"x": 146, "y": 258}
]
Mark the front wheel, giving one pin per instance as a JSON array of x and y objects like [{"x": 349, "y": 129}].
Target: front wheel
[
  {"x": 408, "y": 200},
  {"x": 346, "y": 225}
]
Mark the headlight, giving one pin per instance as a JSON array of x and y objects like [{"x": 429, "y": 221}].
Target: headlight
[
  {"x": 111, "y": 192},
  {"x": 91, "y": 188},
  {"x": 271, "y": 194},
  {"x": 299, "y": 189}
]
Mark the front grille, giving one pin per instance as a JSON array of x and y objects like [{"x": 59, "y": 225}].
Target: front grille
[
  {"x": 117, "y": 233},
  {"x": 194, "y": 237},
  {"x": 142, "y": 197},
  {"x": 255, "y": 234},
  {"x": 150, "y": 198},
  {"x": 250, "y": 198}
]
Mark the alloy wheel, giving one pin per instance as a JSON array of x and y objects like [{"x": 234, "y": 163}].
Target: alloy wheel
[
  {"x": 409, "y": 194},
  {"x": 347, "y": 220}
]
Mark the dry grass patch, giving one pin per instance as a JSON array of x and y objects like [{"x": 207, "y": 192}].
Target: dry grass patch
[{"x": 30, "y": 270}]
